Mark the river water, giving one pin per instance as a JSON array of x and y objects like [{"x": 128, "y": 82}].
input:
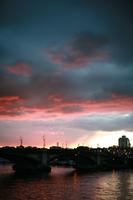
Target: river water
[{"x": 66, "y": 184}]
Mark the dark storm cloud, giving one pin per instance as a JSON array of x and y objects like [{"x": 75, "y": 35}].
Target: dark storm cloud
[
  {"x": 32, "y": 23},
  {"x": 119, "y": 17},
  {"x": 115, "y": 21},
  {"x": 45, "y": 90},
  {"x": 99, "y": 40},
  {"x": 11, "y": 85},
  {"x": 83, "y": 49},
  {"x": 106, "y": 79},
  {"x": 67, "y": 92}
]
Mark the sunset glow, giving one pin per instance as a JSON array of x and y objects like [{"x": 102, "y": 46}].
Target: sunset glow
[{"x": 66, "y": 76}]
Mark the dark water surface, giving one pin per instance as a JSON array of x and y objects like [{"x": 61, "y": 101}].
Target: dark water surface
[{"x": 66, "y": 184}]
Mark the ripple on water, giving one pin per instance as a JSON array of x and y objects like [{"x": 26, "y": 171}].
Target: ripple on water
[{"x": 66, "y": 184}]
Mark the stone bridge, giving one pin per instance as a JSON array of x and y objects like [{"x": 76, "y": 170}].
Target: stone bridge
[
  {"x": 38, "y": 160},
  {"x": 26, "y": 160}
]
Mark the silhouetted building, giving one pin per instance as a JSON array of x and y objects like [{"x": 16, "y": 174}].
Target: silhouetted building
[{"x": 124, "y": 142}]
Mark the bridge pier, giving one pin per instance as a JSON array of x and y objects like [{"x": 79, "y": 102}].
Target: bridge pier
[
  {"x": 98, "y": 158},
  {"x": 44, "y": 160},
  {"x": 38, "y": 164}
]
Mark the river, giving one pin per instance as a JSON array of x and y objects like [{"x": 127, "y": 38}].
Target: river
[{"x": 66, "y": 184}]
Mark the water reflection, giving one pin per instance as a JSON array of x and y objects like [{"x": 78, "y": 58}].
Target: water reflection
[
  {"x": 126, "y": 185},
  {"x": 66, "y": 184}
]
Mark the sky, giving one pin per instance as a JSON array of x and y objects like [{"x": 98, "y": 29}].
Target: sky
[{"x": 66, "y": 72}]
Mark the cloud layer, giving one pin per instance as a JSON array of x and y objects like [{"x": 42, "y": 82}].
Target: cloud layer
[
  {"x": 84, "y": 49},
  {"x": 65, "y": 67}
]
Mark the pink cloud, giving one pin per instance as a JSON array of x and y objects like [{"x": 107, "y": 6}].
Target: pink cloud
[
  {"x": 9, "y": 98},
  {"x": 18, "y": 108},
  {"x": 116, "y": 103},
  {"x": 22, "y": 69}
]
